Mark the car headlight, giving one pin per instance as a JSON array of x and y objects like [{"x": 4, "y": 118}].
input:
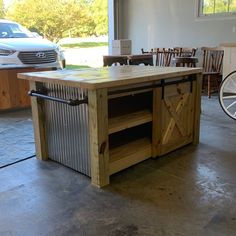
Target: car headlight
[
  {"x": 6, "y": 52},
  {"x": 60, "y": 53}
]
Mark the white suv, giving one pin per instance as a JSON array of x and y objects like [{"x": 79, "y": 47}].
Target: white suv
[{"x": 19, "y": 46}]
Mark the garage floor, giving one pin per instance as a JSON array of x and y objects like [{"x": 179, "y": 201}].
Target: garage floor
[
  {"x": 16, "y": 136},
  {"x": 189, "y": 192}
]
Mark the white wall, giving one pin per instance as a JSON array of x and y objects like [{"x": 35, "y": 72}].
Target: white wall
[{"x": 169, "y": 23}]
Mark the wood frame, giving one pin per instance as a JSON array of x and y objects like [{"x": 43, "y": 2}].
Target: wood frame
[
  {"x": 39, "y": 123},
  {"x": 98, "y": 126}
]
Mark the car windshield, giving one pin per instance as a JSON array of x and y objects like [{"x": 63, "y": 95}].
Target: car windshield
[{"x": 12, "y": 30}]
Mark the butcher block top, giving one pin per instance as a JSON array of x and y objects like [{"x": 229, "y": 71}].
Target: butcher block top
[
  {"x": 14, "y": 66},
  {"x": 108, "y": 77}
]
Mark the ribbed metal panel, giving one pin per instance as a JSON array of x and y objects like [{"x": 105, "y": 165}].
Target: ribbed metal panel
[
  {"x": 67, "y": 129},
  {"x": 38, "y": 57}
]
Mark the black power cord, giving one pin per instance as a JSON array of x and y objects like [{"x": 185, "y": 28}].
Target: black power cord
[{"x": 10, "y": 164}]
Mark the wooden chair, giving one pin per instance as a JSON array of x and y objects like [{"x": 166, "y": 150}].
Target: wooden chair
[
  {"x": 212, "y": 68},
  {"x": 163, "y": 56},
  {"x": 184, "y": 52},
  {"x": 145, "y": 59},
  {"x": 115, "y": 60},
  {"x": 185, "y": 61}
]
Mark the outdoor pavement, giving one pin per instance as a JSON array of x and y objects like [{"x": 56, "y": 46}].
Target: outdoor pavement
[
  {"x": 92, "y": 57},
  {"x": 16, "y": 136}
]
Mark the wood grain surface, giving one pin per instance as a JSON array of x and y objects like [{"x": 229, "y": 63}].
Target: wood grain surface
[{"x": 108, "y": 77}]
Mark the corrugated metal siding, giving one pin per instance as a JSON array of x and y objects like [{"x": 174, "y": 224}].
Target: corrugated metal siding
[{"x": 67, "y": 129}]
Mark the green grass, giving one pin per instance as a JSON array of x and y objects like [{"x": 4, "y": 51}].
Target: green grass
[
  {"x": 84, "y": 45},
  {"x": 73, "y": 67}
]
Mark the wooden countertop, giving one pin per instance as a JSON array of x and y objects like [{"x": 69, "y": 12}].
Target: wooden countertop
[
  {"x": 228, "y": 45},
  {"x": 13, "y": 66},
  {"x": 108, "y": 77}
]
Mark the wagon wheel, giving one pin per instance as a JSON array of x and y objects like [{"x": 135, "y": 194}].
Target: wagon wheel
[{"x": 227, "y": 95}]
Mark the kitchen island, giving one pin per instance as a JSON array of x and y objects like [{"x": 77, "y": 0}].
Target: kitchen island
[{"x": 100, "y": 121}]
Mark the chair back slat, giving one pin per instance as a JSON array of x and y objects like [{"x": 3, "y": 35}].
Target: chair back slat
[
  {"x": 184, "y": 52},
  {"x": 212, "y": 59},
  {"x": 163, "y": 56}
]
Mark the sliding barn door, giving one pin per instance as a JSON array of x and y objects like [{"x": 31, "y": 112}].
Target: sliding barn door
[{"x": 173, "y": 113}]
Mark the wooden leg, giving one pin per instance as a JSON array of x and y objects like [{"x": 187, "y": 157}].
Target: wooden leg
[
  {"x": 197, "y": 86},
  {"x": 156, "y": 121},
  {"x": 209, "y": 86},
  {"x": 39, "y": 123},
  {"x": 98, "y": 129}
]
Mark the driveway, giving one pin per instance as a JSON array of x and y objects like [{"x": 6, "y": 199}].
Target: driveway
[{"x": 86, "y": 56}]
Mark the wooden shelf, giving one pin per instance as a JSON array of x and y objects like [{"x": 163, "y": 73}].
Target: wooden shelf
[
  {"x": 129, "y": 154},
  {"x": 129, "y": 120}
]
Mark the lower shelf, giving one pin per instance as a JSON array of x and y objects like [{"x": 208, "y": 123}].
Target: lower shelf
[
  {"x": 123, "y": 122},
  {"x": 129, "y": 154}
]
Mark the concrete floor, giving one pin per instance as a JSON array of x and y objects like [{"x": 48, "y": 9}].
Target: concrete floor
[
  {"x": 189, "y": 192},
  {"x": 16, "y": 136}
]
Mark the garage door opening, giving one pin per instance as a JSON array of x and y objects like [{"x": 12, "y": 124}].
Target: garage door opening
[{"x": 83, "y": 37}]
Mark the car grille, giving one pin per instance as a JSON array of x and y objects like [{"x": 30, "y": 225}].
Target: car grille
[{"x": 38, "y": 57}]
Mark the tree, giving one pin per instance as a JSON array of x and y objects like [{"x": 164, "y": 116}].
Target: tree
[
  {"x": 2, "y": 13},
  {"x": 100, "y": 16},
  {"x": 222, "y": 6},
  {"x": 61, "y": 18}
]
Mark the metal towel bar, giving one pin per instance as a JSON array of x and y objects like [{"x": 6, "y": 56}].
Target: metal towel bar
[{"x": 70, "y": 102}]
